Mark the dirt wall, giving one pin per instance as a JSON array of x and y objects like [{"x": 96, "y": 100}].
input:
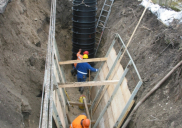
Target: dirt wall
[{"x": 23, "y": 38}]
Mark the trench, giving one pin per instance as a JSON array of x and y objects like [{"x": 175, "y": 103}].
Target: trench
[
  {"x": 155, "y": 49},
  {"x": 107, "y": 107}
]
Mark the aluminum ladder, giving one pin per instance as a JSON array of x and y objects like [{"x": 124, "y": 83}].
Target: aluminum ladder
[{"x": 102, "y": 21}]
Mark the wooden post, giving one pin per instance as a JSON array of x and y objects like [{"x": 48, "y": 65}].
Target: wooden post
[
  {"x": 88, "y": 115},
  {"x": 89, "y": 94}
]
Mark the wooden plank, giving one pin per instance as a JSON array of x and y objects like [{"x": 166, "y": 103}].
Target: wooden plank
[
  {"x": 81, "y": 61},
  {"x": 118, "y": 102},
  {"x": 60, "y": 111},
  {"x": 101, "y": 75},
  {"x": 101, "y": 123},
  {"x": 111, "y": 58},
  {"x": 129, "y": 108},
  {"x": 88, "y": 115},
  {"x": 78, "y": 104},
  {"x": 105, "y": 70},
  {"x": 125, "y": 91},
  {"x": 56, "y": 117},
  {"x": 90, "y": 83},
  {"x": 113, "y": 54},
  {"x": 56, "y": 72},
  {"x": 62, "y": 78},
  {"x": 109, "y": 112}
]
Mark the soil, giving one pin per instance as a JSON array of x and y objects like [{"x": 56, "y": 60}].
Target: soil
[
  {"x": 155, "y": 49},
  {"x": 23, "y": 38}
]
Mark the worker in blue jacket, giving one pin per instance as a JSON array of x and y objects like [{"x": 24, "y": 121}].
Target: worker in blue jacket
[{"x": 82, "y": 69}]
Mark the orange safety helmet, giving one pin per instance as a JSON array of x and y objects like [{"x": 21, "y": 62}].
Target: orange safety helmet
[
  {"x": 86, "y": 123},
  {"x": 86, "y": 52}
]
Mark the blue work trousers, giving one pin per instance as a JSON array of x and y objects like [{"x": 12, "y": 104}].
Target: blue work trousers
[{"x": 81, "y": 79}]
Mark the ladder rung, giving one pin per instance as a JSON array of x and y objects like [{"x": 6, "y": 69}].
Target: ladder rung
[
  {"x": 105, "y": 10},
  {"x": 107, "y": 5},
  {"x": 102, "y": 21},
  {"x": 103, "y": 16},
  {"x": 100, "y": 26}
]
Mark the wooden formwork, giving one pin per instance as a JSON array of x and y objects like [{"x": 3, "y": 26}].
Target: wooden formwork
[
  {"x": 111, "y": 104},
  {"x": 121, "y": 97}
]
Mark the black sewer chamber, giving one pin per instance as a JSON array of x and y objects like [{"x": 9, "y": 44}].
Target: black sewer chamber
[
  {"x": 84, "y": 13},
  {"x": 84, "y": 30},
  {"x": 83, "y": 36},
  {"x": 84, "y": 19},
  {"x": 84, "y": 26},
  {"x": 83, "y": 41},
  {"x": 74, "y": 50},
  {"x": 88, "y": 47},
  {"x": 84, "y": 8},
  {"x": 76, "y": 2}
]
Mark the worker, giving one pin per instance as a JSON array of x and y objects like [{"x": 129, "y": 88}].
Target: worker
[
  {"x": 79, "y": 57},
  {"x": 80, "y": 122},
  {"x": 82, "y": 69}
]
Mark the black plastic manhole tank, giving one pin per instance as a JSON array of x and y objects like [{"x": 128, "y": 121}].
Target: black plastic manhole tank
[{"x": 84, "y": 12}]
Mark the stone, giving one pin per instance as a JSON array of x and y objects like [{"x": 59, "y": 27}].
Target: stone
[
  {"x": 25, "y": 107},
  {"x": 32, "y": 61},
  {"x": 38, "y": 44}
]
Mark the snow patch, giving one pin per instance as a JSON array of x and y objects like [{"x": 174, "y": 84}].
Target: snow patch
[{"x": 163, "y": 14}]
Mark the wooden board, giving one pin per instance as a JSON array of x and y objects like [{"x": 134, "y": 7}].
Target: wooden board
[
  {"x": 128, "y": 110},
  {"x": 60, "y": 112},
  {"x": 81, "y": 61},
  {"x": 109, "y": 111},
  {"x": 121, "y": 97},
  {"x": 78, "y": 103},
  {"x": 90, "y": 83},
  {"x": 56, "y": 74}
]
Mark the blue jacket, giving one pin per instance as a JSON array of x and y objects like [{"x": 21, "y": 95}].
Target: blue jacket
[{"x": 82, "y": 69}]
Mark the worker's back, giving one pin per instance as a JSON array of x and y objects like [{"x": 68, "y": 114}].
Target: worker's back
[{"x": 82, "y": 69}]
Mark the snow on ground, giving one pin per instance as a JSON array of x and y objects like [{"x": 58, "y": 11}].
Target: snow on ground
[{"x": 163, "y": 14}]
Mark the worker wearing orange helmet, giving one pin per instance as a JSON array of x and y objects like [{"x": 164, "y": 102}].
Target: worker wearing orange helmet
[{"x": 80, "y": 122}]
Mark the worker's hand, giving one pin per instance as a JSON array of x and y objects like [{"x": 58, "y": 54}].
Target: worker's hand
[{"x": 80, "y": 50}]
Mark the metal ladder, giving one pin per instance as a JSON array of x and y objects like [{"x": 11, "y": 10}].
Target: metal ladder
[{"x": 102, "y": 21}]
